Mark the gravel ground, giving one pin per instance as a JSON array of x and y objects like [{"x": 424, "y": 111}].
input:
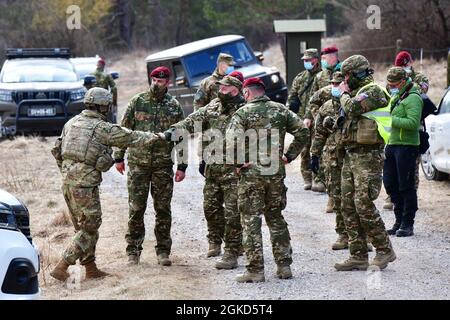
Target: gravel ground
[{"x": 421, "y": 270}]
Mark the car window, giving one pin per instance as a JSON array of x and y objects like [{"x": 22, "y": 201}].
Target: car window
[
  {"x": 30, "y": 70},
  {"x": 178, "y": 69},
  {"x": 445, "y": 105},
  {"x": 203, "y": 63}
]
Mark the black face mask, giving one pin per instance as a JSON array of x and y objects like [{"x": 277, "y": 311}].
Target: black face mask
[
  {"x": 103, "y": 110},
  {"x": 353, "y": 82},
  {"x": 226, "y": 98}
]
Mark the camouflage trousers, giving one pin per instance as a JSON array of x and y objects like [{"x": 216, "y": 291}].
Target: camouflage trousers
[
  {"x": 159, "y": 181},
  {"x": 264, "y": 196},
  {"x": 361, "y": 185},
  {"x": 220, "y": 206},
  {"x": 86, "y": 214},
  {"x": 333, "y": 161},
  {"x": 305, "y": 158}
]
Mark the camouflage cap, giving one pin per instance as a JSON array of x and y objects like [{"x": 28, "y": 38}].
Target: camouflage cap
[
  {"x": 338, "y": 77},
  {"x": 225, "y": 57},
  {"x": 230, "y": 81},
  {"x": 98, "y": 96},
  {"x": 356, "y": 63},
  {"x": 396, "y": 74},
  {"x": 310, "y": 53}
]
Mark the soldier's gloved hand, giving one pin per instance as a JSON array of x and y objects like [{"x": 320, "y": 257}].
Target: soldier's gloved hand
[
  {"x": 314, "y": 164},
  {"x": 328, "y": 122},
  {"x": 201, "y": 168}
]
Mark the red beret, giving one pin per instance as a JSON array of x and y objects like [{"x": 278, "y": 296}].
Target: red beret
[
  {"x": 331, "y": 49},
  {"x": 101, "y": 60},
  {"x": 238, "y": 75},
  {"x": 251, "y": 82},
  {"x": 161, "y": 73},
  {"x": 402, "y": 59}
]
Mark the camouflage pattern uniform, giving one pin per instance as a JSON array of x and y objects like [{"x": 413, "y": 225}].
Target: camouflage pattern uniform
[
  {"x": 208, "y": 87},
  {"x": 220, "y": 191},
  {"x": 297, "y": 91},
  {"x": 262, "y": 194},
  {"x": 83, "y": 152},
  {"x": 150, "y": 169},
  {"x": 362, "y": 168},
  {"x": 328, "y": 147},
  {"x": 105, "y": 81}
]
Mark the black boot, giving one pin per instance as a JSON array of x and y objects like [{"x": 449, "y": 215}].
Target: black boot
[
  {"x": 405, "y": 231},
  {"x": 394, "y": 228}
]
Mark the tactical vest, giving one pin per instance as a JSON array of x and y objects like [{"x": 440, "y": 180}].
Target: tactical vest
[{"x": 80, "y": 145}]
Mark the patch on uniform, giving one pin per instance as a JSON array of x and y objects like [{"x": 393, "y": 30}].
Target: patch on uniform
[
  {"x": 199, "y": 95},
  {"x": 361, "y": 97}
]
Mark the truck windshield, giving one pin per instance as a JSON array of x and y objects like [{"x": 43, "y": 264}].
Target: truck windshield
[
  {"x": 203, "y": 63},
  {"x": 39, "y": 70}
]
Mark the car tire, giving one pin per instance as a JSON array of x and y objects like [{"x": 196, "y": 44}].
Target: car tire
[{"x": 429, "y": 171}]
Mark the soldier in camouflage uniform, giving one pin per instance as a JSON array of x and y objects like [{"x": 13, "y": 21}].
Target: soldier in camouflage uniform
[
  {"x": 209, "y": 88},
  {"x": 299, "y": 95},
  {"x": 82, "y": 153},
  {"x": 261, "y": 184},
  {"x": 405, "y": 61},
  {"x": 220, "y": 193},
  {"x": 105, "y": 81},
  {"x": 153, "y": 110},
  {"x": 328, "y": 147},
  {"x": 330, "y": 64},
  {"x": 362, "y": 167}
]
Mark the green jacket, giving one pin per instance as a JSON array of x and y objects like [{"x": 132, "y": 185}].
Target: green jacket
[
  {"x": 406, "y": 116},
  {"x": 208, "y": 90},
  {"x": 299, "y": 84},
  {"x": 146, "y": 113},
  {"x": 265, "y": 123}
]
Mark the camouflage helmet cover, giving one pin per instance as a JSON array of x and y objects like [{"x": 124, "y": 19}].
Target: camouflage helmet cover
[
  {"x": 98, "y": 96},
  {"x": 355, "y": 64}
]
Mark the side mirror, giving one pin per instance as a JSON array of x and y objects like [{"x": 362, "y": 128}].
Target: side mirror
[
  {"x": 180, "y": 81},
  {"x": 89, "y": 80},
  {"x": 259, "y": 55},
  {"x": 114, "y": 75}
]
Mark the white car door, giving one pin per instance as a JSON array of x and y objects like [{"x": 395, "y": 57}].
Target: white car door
[{"x": 439, "y": 129}]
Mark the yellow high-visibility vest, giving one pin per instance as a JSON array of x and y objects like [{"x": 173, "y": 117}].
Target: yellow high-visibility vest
[{"x": 382, "y": 116}]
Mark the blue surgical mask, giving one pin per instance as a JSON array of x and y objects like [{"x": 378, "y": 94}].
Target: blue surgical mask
[
  {"x": 394, "y": 91},
  {"x": 325, "y": 64},
  {"x": 407, "y": 69},
  {"x": 229, "y": 70},
  {"x": 308, "y": 65},
  {"x": 335, "y": 92}
]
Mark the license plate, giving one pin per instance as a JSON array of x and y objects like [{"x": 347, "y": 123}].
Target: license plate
[{"x": 42, "y": 111}]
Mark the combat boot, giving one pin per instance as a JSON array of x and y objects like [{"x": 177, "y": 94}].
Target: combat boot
[
  {"x": 228, "y": 261},
  {"x": 405, "y": 232},
  {"x": 92, "y": 272},
  {"x": 163, "y": 259},
  {"x": 381, "y": 260},
  {"x": 251, "y": 277},
  {"x": 133, "y": 259},
  {"x": 388, "y": 205},
  {"x": 351, "y": 264},
  {"x": 394, "y": 229},
  {"x": 341, "y": 243},
  {"x": 214, "y": 250},
  {"x": 307, "y": 185},
  {"x": 241, "y": 251},
  {"x": 330, "y": 205},
  {"x": 60, "y": 272},
  {"x": 318, "y": 186},
  {"x": 284, "y": 272}
]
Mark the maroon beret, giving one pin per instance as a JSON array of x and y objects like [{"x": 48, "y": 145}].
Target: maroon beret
[
  {"x": 331, "y": 49},
  {"x": 402, "y": 59},
  {"x": 238, "y": 75},
  {"x": 161, "y": 73},
  {"x": 253, "y": 82}
]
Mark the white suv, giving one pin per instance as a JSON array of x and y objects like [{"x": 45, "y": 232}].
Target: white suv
[
  {"x": 436, "y": 161},
  {"x": 19, "y": 258}
]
